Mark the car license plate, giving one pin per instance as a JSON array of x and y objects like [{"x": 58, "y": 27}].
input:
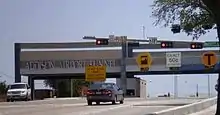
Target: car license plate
[{"x": 98, "y": 92}]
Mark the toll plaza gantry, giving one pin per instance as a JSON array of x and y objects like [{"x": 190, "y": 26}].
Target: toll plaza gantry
[
  {"x": 173, "y": 62},
  {"x": 125, "y": 62}
]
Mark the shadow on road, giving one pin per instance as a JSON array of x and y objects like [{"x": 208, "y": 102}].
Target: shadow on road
[{"x": 103, "y": 104}]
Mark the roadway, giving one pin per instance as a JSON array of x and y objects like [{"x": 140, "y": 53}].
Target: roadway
[{"x": 132, "y": 106}]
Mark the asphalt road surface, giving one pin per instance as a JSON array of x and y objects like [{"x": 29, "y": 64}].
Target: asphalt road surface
[{"x": 132, "y": 106}]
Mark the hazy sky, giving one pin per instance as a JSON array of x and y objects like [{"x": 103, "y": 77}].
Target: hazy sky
[{"x": 70, "y": 20}]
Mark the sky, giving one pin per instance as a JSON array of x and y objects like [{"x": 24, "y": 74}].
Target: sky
[{"x": 70, "y": 20}]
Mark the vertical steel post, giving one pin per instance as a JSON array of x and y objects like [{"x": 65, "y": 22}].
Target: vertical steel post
[
  {"x": 32, "y": 87},
  {"x": 123, "y": 64},
  {"x": 71, "y": 87},
  {"x": 175, "y": 86},
  {"x": 17, "y": 52}
]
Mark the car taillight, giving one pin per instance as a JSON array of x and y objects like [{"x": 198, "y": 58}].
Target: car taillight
[{"x": 89, "y": 92}]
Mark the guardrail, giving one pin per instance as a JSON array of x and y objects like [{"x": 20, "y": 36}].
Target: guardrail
[{"x": 188, "y": 109}]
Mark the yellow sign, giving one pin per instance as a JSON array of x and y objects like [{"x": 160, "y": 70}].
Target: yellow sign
[
  {"x": 144, "y": 60},
  {"x": 95, "y": 73},
  {"x": 209, "y": 59}
]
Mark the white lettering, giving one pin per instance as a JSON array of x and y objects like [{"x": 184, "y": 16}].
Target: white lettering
[{"x": 49, "y": 64}]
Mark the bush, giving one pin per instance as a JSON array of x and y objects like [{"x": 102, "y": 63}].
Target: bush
[{"x": 3, "y": 88}]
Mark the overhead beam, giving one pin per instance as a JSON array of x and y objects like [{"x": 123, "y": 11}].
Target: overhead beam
[
  {"x": 65, "y": 45},
  {"x": 177, "y": 44},
  {"x": 93, "y": 45},
  {"x": 158, "y": 46},
  {"x": 138, "y": 39}
]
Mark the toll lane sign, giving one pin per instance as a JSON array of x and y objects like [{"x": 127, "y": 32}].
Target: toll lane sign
[
  {"x": 173, "y": 59},
  {"x": 95, "y": 73},
  {"x": 209, "y": 59}
]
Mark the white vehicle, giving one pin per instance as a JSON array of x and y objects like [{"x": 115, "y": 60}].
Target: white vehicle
[{"x": 18, "y": 91}]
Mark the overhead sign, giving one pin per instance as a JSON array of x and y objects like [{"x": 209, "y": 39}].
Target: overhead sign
[
  {"x": 144, "y": 60},
  {"x": 211, "y": 44},
  {"x": 118, "y": 39},
  {"x": 66, "y": 64},
  {"x": 152, "y": 40},
  {"x": 209, "y": 59},
  {"x": 173, "y": 59},
  {"x": 95, "y": 73}
]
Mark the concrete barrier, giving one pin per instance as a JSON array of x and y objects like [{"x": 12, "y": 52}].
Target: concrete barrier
[{"x": 188, "y": 109}]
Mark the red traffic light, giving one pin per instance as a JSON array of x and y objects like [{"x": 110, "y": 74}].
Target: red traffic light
[
  {"x": 193, "y": 46},
  {"x": 196, "y": 45},
  {"x": 98, "y": 42},
  {"x": 166, "y": 44},
  {"x": 101, "y": 41},
  {"x": 163, "y": 45}
]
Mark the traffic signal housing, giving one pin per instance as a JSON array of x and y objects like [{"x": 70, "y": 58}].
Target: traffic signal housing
[
  {"x": 175, "y": 28},
  {"x": 166, "y": 44},
  {"x": 133, "y": 44},
  {"x": 101, "y": 41},
  {"x": 196, "y": 45}
]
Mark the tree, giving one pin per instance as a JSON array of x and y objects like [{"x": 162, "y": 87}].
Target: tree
[
  {"x": 192, "y": 15},
  {"x": 3, "y": 87},
  {"x": 195, "y": 17}
]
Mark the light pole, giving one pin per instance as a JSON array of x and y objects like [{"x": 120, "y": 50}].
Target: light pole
[
  {"x": 175, "y": 86},
  {"x": 197, "y": 90},
  {"x": 209, "y": 89},
  {"x": 144, "y": 32},
  {"x": 149, "y": 88}
]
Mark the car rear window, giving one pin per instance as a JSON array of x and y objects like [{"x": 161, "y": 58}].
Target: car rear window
[
  {"x": 101, "y": 86},
  {"x": 17, "y": 86}
]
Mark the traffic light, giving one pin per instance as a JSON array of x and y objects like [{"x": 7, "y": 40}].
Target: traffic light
[
  {"x": 166, "y": 44},
  {"x": 101, "y": 41},
  {"x": 175, "y": 28},
  {"x": 196, "y": 45},
  {"x": 133, "y": 44}
]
